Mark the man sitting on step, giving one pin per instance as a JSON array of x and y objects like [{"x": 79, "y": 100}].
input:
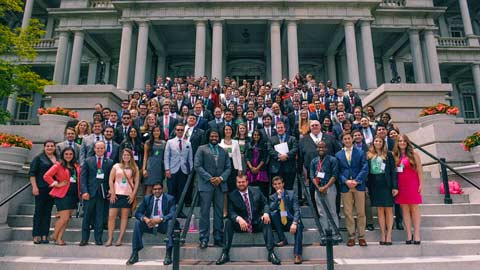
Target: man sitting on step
[{"x": 155, "y": 214}]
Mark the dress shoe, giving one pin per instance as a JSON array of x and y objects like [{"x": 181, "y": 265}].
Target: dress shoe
[
  {"x": 362, "y": 242},
  {"x": 218, "y": 243},
  {"x": 203, "y": 244},
  {"x": 351, "y": 243},
  {"x": 417, "y": 242},
  {"x": 99, "y": 243},
  {"x": 388, "y": 243},
  {"x": 409, "y": 242},
  {"x": 133, "y": 258},
  {"x": 282, "y": 243},
  {"x": 297, "y": 259},
  {"x": 223, "y": 259},
  {"x": 168, "y": 258},
  {"x": 273, "y": 258},
  {"x": 382, "y": 243},
  {"x": 83, "y": 243},
  {"x": 370, "y": 227},
  {"x": 399, "y": 226}
]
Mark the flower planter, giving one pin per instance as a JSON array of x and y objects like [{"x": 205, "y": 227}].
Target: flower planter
[
  {"x": 436, "y": 119},
  {"x": 53, "y": 120},
  {"x": 15, "y": 156},
  {"x": 475, "y": 151}
]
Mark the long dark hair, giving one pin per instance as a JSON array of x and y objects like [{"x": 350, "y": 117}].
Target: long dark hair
[
  {"x": 151, "y": 139},
  {"x": 63, "y": 162},
  {"x": 130, "y": 140}
]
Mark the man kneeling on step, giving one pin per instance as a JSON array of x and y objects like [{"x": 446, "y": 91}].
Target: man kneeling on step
[
  {"x": 247, "y": 212},
  {"x": 155, "y": 214}
]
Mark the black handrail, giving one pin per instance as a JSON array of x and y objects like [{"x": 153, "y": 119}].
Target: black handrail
[{"x": 15, "y": 194}]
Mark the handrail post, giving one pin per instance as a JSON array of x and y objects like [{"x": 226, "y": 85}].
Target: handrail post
[
  {"x": 176, "y": 249},
  {"x": 447, "y": 199},
  {"x": 329, "y": 237}
]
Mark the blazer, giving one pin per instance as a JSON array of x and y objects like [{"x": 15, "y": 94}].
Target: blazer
[
  {"x": 308, "y": 148},
  {"x": 273, "y": 132},
  {"x": 114, "y": 153},
  {"x": 38, "y": 167},
  {"x": 62, "y": 145},
  {"x": 172, "y": 122},
  {"x": 291, "y": 205},
  {"x": 236, "y": 155},
  {"x": 146, "y": 207},
  {"x": 357, "y": 169},
  {"x": 390, "y": 173},
  {"x": 119, "y": 136},
  {"x": 320, "y": 116},
  {"x": 207, "y": 167},
  {"x": 263, "y": 153},
  {"x": 176, "y": 159},
  {"x": 202, "y": 123},
  {"x": 196, "y": 139},
  {"x": 86, "y": 143},
  {"x": 60, "y": 174},
  {"x": 283, "y": 119},
  {"x": 275, "y": 163},
  {"x": 329, "y": 167},
  {"x": 88, "y": 176},
  {"x": 258, "y": 205}
]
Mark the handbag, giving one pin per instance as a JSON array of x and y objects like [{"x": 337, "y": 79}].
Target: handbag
[
  {"x": 130, "y": 183},
  {"x": 453, "y": 186}
]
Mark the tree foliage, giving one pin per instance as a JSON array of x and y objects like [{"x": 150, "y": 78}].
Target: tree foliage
[{"x": 16, "y": 46}]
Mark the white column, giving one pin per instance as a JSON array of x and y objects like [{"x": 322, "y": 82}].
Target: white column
[
  {"x": 217, "y": 50},
  {"x": 387, "y": 71},
  {"x": 92, "y": 71},
  {"x": 49, "y": 27},
  {"x": 417, "y": 57},
  {"x": 442, "y": 25},
  {"x": 467, "y": 23},
  {"x": 74, "y": 75},
  {"x": 59, "y": 69},
  {"x": 292, "y": 49},
  {"x": 106, "y": 72},
  {"x": 476, "y": 81},
  {"x": 351, "y": 50},
  {"x": 27, "y": 13},
  {"x": 432, "y": 57},
  {"x": 160, "y": 65},
  {"x": 200, "y": 44},
  {"x": 141, "y": 60},
  {"x": 368, "y": 55},
  {"x": 276, "y": 53},
  {"x": 401, "y": 70},
  {"x": 332, "y": 69},
  {"x": 124, "y": 61},
  {"x": 426, "y": 64}
]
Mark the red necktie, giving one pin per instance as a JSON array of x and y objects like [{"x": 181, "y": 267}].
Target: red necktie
[
  {"x": 166, "y": 127},
  {"x": 99, "y": 163}
]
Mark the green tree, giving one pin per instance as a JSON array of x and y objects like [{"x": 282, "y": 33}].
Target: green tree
[{"x": 16, "y": 45}]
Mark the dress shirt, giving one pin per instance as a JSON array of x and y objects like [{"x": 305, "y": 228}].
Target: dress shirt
[{"x": 159, "y": 203}]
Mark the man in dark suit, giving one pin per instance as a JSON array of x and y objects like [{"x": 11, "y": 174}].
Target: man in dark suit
[
  {"x": 285, "y": 213},
  {"x": 142, "y": 114},
  {"x": 318, "y": 114},
  {"x": 343, "y": 99},
  {"x": 123, "y": 129},
  {"x": 282, "y": 163},
  {"x": 203, "y": 116},
  {"x": 94, "y": 189},
  {"x": 352, "y": 173},
  {"x": 294, "y": 116},
  {"x": 218, "y": 119},
  {"x": 167, "y": 123},
  {"x": 155, "y": 214},
  {"x": 354, "y": 99},
  {"x": 267, "y": 131},
  {"x": 213, "y": 166},
  {"x": 251, "y": 123},
  {"x": 227, "y": 120},
  {"x": 367, "y": 131},
  {"x": 248, "y": 211},
  {"x": 278, "y": 116},
  {"x": 193, "y": 134},
  {"x": 69, "y": 142},
  {"x": 180, "y": 101}
]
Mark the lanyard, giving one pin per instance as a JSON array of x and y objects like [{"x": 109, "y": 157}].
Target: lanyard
[{"x": 320, "y": 165}]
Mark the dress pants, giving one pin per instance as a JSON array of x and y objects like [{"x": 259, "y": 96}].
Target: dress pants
[
  {"x": 257, "y": 226},
  {"x": 398, "y": 214},
  {"x": 280, "y": 228},
  {"x": 330, "y": 197},
  {"x": 368, "y": 209},
  {"x": 354, "y": 198},
  {"x": 94, "y": 211},
  {"x": 43, "y": 213},
  {"x": 176, "y": 184},
  {"x": 141, "y": 228},
  {"x": 206, "y": 198}
]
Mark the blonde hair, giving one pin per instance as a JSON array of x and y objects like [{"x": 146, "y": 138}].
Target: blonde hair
[
  {"x": 372, "y": 152},
  {"x": 145, "y": 128},
  {"x": 302, "y": 123},
  {"x": 133, "y": 166},
  {"x": 87, "y": 131},
  {"x": 408, "y": 151}
]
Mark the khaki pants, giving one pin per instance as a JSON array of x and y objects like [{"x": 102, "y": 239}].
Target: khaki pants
[{"x": 354, "y": 198}]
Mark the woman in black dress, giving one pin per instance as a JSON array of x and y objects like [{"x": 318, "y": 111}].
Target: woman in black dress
[
  {"x": 43, "y": 202},
  {"x": 382, "y": 186}
]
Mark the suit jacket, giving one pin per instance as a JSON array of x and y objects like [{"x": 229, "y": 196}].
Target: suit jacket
[
  {"x": 255, "y": 125},
  {"x": 88, "y": 176},
  {"x": 176, "y": 159},
  {"x": 86, "y": 143},
  {"x": 275, "y": 163},
  {"x": 119, "y": 136},
  {"x": 345, "y": 101},
  {"x": 237, "y": 208},
  {"x": 291, "y": 205},
  {"x": 273, "y": 132},
  {"x": 319, "y": 117},
  {"x": 293, "y": 120},
  {"x": 309, "y": 96},
  {"x": 114, "y": 153},
  {"x": 202, "y": 124},
  {"x": 207, "y": 167},
  {"x": 308, "y": 149},
  {"x": 172, "y": 122},
  {"x": 62, "y": 145},
  {"x": 196, "y": 139},
  {"x": 222, "y": 125},
  {"x": 338, "y": 131},
  {"x": 357, "y": 169},
  {"x": 283, "y": 119},
  {"x": 357, "y": 102},
  {"x": 146, "y": 207},
  {"x": 60, "y": 174}
]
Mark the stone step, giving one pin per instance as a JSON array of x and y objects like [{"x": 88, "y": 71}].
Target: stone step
[{"x": 310, "y": 236}]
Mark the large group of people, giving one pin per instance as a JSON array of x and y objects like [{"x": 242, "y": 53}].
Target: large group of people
[{"x": 247, "y": 147}]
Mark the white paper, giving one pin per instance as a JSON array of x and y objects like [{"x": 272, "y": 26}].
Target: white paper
[
  {"x": 321, "y": 175},
  {"x": 282, "y": 148}
]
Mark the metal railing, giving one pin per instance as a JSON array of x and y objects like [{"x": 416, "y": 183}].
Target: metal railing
[
  {"x": 444, "y": 166},
  {"x": 393, "y": 3},
  {"x": 15, "y": 194},
  {"x": 452, "y": 42}
]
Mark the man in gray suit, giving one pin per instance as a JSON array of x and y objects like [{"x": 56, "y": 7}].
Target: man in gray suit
[
  {"x": 212, "y": 165},
  {"x": 69, "y": 142},
  {"x": 90, "y": 140},
  {"x": 178, "y": 162}
]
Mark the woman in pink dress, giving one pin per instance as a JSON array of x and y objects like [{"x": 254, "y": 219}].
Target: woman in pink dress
[{"x": 410, "y": 185}]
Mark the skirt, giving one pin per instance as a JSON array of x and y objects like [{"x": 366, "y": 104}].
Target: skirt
[
  {"x": 122, "y": 202},
  {"x": 380, "y": 193},
  {"x": 70, "y": 201}
]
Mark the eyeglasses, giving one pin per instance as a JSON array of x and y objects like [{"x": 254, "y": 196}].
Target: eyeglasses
[
  {"x": 179, "y": 130},
  {"x": 314, "y": 125}
]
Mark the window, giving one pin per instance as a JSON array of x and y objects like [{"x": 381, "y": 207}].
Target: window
[
  {"x": 469, "y": 106},
  {"x": 23, "y": 111}
]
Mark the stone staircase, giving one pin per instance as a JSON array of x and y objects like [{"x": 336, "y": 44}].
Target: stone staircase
[{"x": 450, "y": 239}]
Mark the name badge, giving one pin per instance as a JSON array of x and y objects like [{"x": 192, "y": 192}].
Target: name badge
[
  {"x": 283, "y": 213},
  {"x": 135, "y": 157},
  {"x": 321, "y": 175},
  {"x": 157, "y": 153},
  {"x": 368, "y": 141},
  {"x": 100, "y": 174},
  {"x": 383, "y": 167},
  {"x": 109, "y": 154},
  {"x": 73, "y": 180},
  {"x": 400, "y": 169},
  {"x": 124, "y": 181}
]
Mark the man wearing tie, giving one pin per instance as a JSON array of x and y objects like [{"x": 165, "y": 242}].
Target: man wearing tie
[
  {"x": 94, "y": 189},
  {"x": 267, "y": 131},
  {"x": 69, "y": 142},
  {"x": 89, "y": 141},
  {"x": 285, "y": 213},
  {"x": 155, "y": 214},
  {"x": 124, "y": 128},
  {"x": 248, "y": 212},
  {"x": 167, "y": 123},
  {"x": 282, "y": 163}
]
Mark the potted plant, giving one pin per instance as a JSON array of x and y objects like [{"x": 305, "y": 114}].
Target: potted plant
[
  {"x": 471, "y": 144},
  {"x": 56, "y": 115},
  {"x": 14, "y": 148},
  {"x": 440, "y": 113}
]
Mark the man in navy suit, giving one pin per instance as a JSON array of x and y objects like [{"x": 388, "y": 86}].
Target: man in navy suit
[
  {"x": 285, "y": 213},
  {"x": 167, "y": 123},
  {"x": 248, "y": 211},
  {"x": 267, "y": 131},
  {"x": 318, "y": 114},
  {"x": 353, "y": 172},
  {"x": 94, "y": 188},
  {"x": 155, "y": 214},
  {"x": 283, "y": 163}
]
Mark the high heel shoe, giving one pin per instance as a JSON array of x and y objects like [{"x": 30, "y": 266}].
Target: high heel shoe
[
  {"x": 409, "y": 242},
  {"x": 417, "y": 242}
]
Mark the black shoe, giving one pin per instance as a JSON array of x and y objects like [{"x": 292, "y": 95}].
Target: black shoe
[
  {"x": 223, "y": 259},
  {"x": 273, "y": 258},
  {"x": 218, "y": 243},
  {"x": 370, "y": 227},
  {"x": 133, "y": 258},
  {"x": 399, "y": 225},
  {"x": 44, "y": 241},
  {"x": 203, "y": 244},
  {"x": 181, "y": 215},
  {"x": 168, "y": 258},
  {"x": 83, "y": 243},
  {"x": 409, "y": 242},
  {"x": 99, "y": 243}
]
